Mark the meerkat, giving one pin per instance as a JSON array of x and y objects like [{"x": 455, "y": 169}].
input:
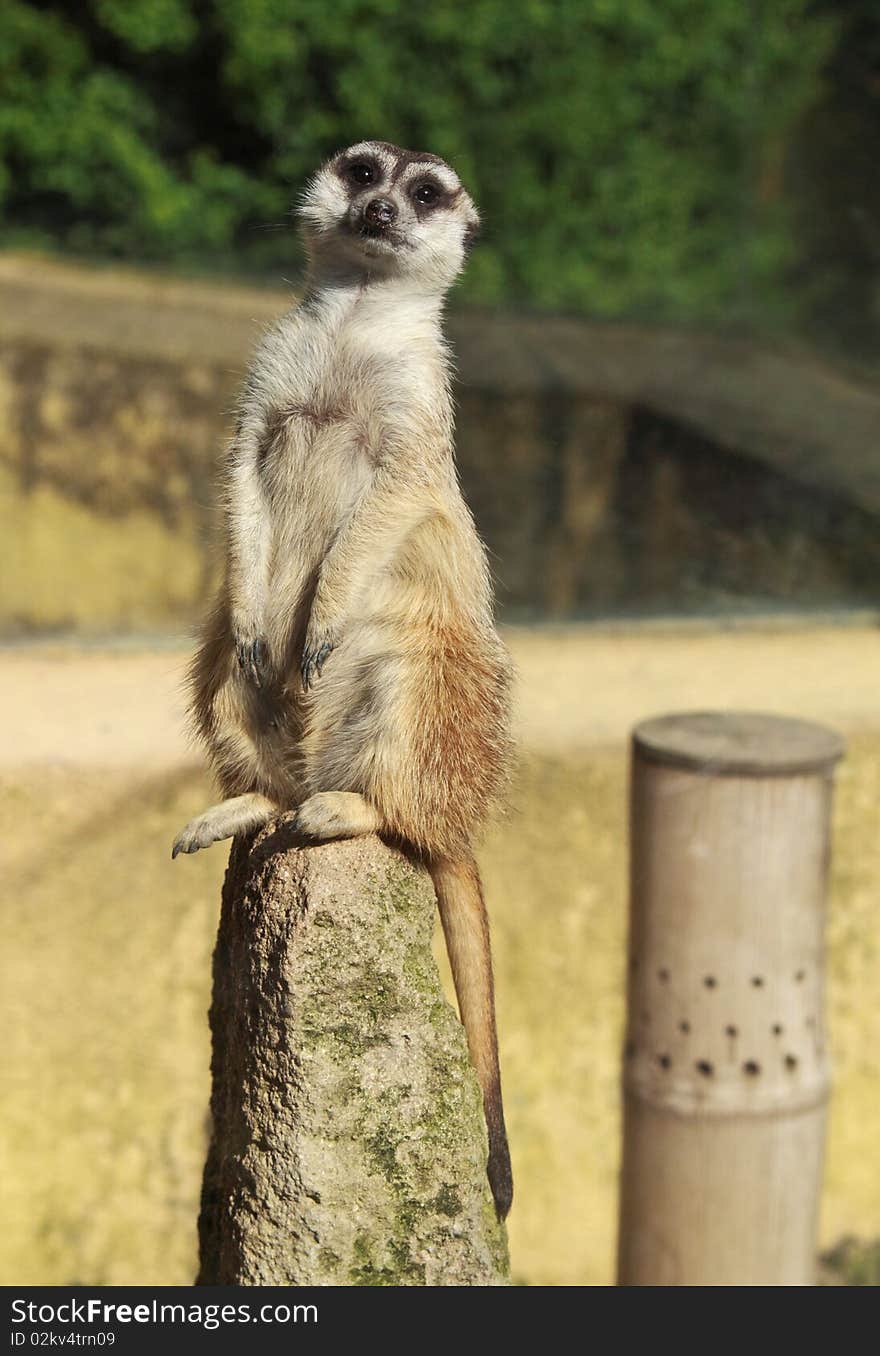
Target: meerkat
[{"x": 350, "y": 673}]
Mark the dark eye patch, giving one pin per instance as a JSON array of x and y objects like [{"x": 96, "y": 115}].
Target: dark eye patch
[
  {"x": 427, "y": 192},
  {"x": 362, "y": 172}
]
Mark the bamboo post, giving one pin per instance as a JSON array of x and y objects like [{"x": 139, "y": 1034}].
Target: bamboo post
[
  {"x": 726, "y": 1070},
  {"x": 348, "y": 1143}
]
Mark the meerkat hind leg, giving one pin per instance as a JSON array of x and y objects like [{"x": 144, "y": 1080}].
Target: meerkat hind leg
[
  {"x": 336, "y": 814},
  {"x": 225, "y": 820}
]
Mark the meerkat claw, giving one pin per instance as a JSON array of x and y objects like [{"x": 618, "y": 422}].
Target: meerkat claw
[
  {"x": 322, "y": 656},
  {"x": 201, "y": 832},
  {"x": 190, "y": 839},
  {"x": 253, "y": 659},
  {"x": 180, "y": 845},
  {"x": 314, "y": 661},
  {"x": 259, "y": 660}
]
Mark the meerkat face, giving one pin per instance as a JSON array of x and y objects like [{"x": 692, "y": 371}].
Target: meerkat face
[{"x": 385, "y": 211}]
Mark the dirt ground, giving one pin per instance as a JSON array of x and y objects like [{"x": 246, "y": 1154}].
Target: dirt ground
[
  {"x": 104, "y": 970},
  {"x": 579, "y": 687}
]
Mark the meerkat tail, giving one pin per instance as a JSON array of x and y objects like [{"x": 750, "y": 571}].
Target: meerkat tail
[{"x": 466, "y": 929}]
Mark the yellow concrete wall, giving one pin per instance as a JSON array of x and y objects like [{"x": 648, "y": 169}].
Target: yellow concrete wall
[{"x": 611, "y": 469}]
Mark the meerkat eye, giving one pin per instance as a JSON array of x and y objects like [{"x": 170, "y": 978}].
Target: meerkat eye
[
  {"x": 362, "y": 172},
  {"x": 426, "y": 193}
]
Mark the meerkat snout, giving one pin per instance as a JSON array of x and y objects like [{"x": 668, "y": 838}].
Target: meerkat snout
[{"x": 379, "y": 214}]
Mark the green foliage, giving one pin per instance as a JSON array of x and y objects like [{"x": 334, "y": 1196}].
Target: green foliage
[
  {"x": 852, "y": 1261},
  {"x": 624, "y": 152}
]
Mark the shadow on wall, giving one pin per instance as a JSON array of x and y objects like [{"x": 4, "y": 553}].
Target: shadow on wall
[{"x": 609, "y": 510}]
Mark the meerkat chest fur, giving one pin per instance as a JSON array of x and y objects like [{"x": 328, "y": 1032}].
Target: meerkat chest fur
[{"x": 344, "y": 385}]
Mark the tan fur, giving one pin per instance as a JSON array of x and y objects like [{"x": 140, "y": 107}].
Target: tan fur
[{"x": 350, "y": 669}]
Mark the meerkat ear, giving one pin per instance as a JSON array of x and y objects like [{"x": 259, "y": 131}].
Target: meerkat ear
[{"x": 471, "y": 234}]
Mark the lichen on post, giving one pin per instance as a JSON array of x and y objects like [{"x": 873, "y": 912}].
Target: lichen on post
[{"x": 348, "y": 1144}]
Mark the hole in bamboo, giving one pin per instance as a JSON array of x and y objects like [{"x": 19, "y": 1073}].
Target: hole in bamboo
[
  {"x": 731, "y": 1030},
  {"x": 663, "y": 976},
  {"x": 704, "y": 1067},
  {"x": 800, "y": 976},
  {"x": 777, "y": 1028},
  {"x": 757, "y": 981},
  {"x": 791, "y": 1062},
  {"x": 752, "y": 1068},
  {"x": 684, "y": 1027},
  {"x": 710, "y": 981},
  {"x": 665, "y": 1061}
]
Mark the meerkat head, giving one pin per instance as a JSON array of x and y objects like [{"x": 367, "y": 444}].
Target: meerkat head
[{"x": 382, "y": 211}]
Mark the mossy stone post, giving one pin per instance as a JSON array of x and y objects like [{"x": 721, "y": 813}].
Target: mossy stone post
[
  {"x": 348, "y": 1144},
  {"x": 726, "y": 1063}
]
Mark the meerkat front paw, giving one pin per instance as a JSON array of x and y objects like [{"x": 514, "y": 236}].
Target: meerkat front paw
[
  {"x": 201, "y": 832},
  {"x": 335, "y": 814},
  {"x": 319, "y": 645},
  {"x": 253, "y": 659}
]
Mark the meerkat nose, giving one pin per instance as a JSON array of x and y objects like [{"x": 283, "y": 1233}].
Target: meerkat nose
[{"x": 379, "y": 212}]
